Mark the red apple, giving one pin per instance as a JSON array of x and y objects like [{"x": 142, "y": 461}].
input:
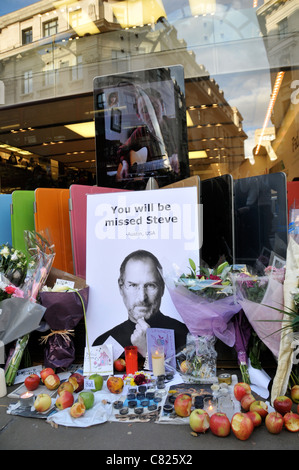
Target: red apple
[
  {"x": 52, "y": 381},
  {"x": 220, "y": 424},
  {"x": 240, "y": 389},
  {"x": 242, "y": 426},
  {"x": 182, "y": 404},
  {"x": 255, "y": 418},
  {"x": 282, "y": 404},
  {"x": 199, "y": 420},
  {"x": 32, "y": 382},
  {"x": 260, "y": 407},
  {"x": 77, "y": 409},
  {"x": 246, "y": 401},
  {"x": 42, "y": 402},
  {"x": 119, "y": 364},
  {"x": 77, "y": 381},
  {"x": 291, "y": 421},
  {"x": 65, "y": 386},
  {"x": 115, "y": 384},
  {"x": 295, "y": 393},
  {"x": 274, "y": 422},
  {"x": 64, "y": 400},
  {"x": 45, "y": 372}
]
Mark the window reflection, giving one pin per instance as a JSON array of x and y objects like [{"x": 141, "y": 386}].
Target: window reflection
[{"x": 231, "y": 52}]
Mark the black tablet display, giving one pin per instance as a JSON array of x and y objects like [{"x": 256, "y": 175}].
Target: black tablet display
[
  {"x": 218, "y": 220},
  {"x": 261, "y": 219},
  {"x": 140, "y": 124}
]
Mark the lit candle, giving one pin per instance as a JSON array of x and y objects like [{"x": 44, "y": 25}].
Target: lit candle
[
  {"x": 26, "y": 399},
  {"x": 131, "y": 358},
  {"x": 210, "y": 406},
  {"x": 158, "y": 363}
]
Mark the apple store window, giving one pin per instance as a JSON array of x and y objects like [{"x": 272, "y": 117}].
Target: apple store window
[{"x": 240, "y": 82}]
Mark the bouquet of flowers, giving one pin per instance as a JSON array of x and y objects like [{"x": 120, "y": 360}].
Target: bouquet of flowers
[
  {"x": 206, "y": 302},
  {"x": 13, "y": 264},
  {"x": 260, "y": 297},
  {"x": 20, "y": 312},
  {"x": 287, "y": 366},
  {"x": 66, "y": 299},
  {"x": 8, "y": 290}
]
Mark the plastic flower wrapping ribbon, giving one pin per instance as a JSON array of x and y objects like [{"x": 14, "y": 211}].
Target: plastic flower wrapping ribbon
[{"x": 259, "y": 297}]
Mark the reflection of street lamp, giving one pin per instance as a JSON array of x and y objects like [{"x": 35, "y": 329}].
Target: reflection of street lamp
[
  {"x": 202, "y": 7},
  {"x": 129, "y": 14},
  {"x": 276, "y": 88}
]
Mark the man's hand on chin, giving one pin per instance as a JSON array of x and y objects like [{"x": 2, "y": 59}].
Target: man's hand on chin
[{"x": 138, "y": 337}]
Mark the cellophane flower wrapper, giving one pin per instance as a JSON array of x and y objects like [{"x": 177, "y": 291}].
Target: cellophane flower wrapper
[
  {"x": 286, "y": 351},
  {"x": 242, "y": 336},
  {"x": 203, "y": 315},
  {"x": 259, "y": 297},
  {"x": 15, "y": 358},
  {"x": 197, "y": 362},
  {"x": 18, "y": 317},
  {"x": 23, "y": 314},
  {"x": 42, "y": 255},
  {"x": 64, "y": 310},
  {"x": 207, "y": 308}
]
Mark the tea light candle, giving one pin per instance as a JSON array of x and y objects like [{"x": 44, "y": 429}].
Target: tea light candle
[
  {"x": 158, "y": 364},
  {"x": 131, "y": 358},
  {"x": 26, "y": 399},
  {"x": 210, "y": 406}
]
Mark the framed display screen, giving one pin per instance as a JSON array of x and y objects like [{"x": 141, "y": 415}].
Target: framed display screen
[
  {"x": 140, "y": 124},
  {"x": 218, "y": 220},
  {"x": 261, "y": 219}
]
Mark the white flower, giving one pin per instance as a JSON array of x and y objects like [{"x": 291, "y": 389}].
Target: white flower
[
  {"x": 14, "y": 256},
  {"x": 5, "y": 251}
]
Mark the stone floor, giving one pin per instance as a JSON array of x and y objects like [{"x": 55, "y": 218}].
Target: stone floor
[{"x": 113, "y": 439}]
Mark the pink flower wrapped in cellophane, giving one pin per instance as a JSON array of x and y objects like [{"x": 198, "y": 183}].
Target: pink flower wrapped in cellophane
[
  {"x": 202, "y": 315},
  {"x": 260, "y": 297}
]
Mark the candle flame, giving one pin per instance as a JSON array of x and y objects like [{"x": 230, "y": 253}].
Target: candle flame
[{"x": 27, "y": 395}]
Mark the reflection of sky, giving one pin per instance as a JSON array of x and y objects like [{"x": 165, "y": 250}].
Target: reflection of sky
[
  {"x": 13, "y": 5},
  {"x": 229, "y": 46}
]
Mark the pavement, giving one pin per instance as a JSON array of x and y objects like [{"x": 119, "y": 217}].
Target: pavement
[{"x": 150, "y": 442}]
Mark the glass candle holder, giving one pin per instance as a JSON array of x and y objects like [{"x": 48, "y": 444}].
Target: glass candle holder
[
  {"x": 210, "y": 405},
  {"x": 131, "y": 358},
  {"x": 226, "y": 405},
  {"x": 27, "y": 399}
]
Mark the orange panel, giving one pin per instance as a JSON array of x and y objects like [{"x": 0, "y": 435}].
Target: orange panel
[{"x": 52, "y": 217}]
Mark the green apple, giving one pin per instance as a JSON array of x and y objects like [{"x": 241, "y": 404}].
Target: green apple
[
  {"x": 98, "y": 382},
  {"x": 87, "y": 399}
]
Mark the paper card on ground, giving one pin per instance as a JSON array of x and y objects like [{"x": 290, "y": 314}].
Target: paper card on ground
[{"x": 98, "y": 360}]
